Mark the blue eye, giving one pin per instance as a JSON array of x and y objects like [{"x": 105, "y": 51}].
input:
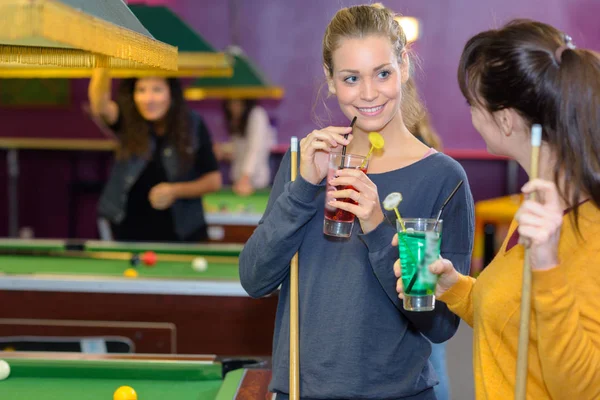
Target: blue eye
[
  {"x": 383, "y": 74},
  {"x": 351, "y": 79}
]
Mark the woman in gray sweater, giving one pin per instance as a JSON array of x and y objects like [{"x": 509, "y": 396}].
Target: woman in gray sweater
[{"x": 356, "y": 340}]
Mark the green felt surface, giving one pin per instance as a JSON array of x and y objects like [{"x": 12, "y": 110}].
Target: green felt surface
[
  {"x": 159, "y": 248},
  {"x": 103, "y": 389},
  {"x": 255, "y": 204},
  {"x": 42, "y": 245},
  {"x": 168, "y": 248},
  {"x": 95, "y": 380},
  {"x": 96, "y": 267}
]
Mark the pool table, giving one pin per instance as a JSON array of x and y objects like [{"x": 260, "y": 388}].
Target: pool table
[
  {"x": 83, "y": 281},
  {"x": 64, "y": 376},
  {"x": 232, "y": 218}
]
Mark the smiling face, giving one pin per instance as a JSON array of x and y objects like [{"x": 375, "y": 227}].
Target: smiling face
[
  {"x": 367, "y": 80},
  {"x": 152, "y": 98}
]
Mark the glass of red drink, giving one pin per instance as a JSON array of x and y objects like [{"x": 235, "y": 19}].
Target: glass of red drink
[{"x": 339, "y": 222}]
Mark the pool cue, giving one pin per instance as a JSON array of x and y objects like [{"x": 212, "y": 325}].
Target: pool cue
[
  {"x": 523, "y": 348},
  {"x": 294, "y": 388}
]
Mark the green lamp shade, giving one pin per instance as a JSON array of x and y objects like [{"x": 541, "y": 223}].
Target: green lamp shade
[
  {"x": 197, "y": 58},
  {"x": 246, "y": 83}
]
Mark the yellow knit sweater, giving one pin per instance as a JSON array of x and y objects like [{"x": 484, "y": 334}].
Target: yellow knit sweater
[{"x": 564, "y": 346}]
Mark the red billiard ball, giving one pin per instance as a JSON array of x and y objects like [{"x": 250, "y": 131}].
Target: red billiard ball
[{"x": 149, "y": 258}]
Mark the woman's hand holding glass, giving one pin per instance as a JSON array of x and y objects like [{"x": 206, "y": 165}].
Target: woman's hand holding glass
[
  {"x": 447, "y": 275},
  {"x": 367, "y": 208}
]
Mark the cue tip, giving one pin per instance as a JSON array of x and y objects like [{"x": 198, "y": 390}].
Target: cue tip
[{"x": 536, "y": 135}]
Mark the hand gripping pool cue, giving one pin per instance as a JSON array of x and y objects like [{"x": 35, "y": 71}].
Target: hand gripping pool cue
[
  {"x": 522, "y": 354},
  {"x": 294, "y": 350}
]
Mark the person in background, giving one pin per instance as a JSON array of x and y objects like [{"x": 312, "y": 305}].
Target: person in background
[
  {"x": 249, "y": 150},
  {"x": 164, "y": 163},
  {"x": 527, "y": 73}
]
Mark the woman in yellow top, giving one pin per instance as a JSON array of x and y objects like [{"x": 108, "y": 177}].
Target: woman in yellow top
[{"x": 525, "y": 73}]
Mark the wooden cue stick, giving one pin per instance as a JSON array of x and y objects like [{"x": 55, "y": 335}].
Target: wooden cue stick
[
  {"x": 523, "y": 347},
  {"x": 294, "y": 386}
]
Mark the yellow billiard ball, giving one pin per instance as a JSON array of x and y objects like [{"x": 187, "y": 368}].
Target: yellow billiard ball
[
  {"x": 130, "y": 273},
  {"x": 125, "y": 393}
]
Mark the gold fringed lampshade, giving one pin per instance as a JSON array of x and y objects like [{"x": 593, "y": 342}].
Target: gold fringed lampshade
[
  {"x": 247, "y": 82},
  {"x": 77, "y": 34},
  {"x": 196, "y": 58}
]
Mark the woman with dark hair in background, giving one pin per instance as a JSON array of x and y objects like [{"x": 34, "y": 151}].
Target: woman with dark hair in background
[
  {"x": 249, "y": 150},
  {"x": 165, "y": 161},
  {"x": 523, "y": 74}
]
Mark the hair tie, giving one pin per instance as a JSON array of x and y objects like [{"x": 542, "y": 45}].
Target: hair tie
[{"x": 568, "y": 45}]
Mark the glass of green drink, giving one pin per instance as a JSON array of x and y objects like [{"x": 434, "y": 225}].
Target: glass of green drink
[{"x": 419, "y": 246}]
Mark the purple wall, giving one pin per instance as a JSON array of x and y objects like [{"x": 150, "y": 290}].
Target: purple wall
[{"x": 284, "y": 39}]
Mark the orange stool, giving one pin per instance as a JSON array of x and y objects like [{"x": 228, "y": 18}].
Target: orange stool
[{"x": 495, "y": 211}]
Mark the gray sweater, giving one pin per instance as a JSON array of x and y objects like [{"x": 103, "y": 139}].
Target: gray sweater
[{"x": 356, "y": 340}]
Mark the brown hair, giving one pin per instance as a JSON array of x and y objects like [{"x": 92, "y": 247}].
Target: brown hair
[
  {"x": 361, "y": 21},
  {"x": 238, "y": 127},
  {"x": 534, "y": 69},
  {"x": 135, "y": 130},
  {"x": 425, "y": 132}
]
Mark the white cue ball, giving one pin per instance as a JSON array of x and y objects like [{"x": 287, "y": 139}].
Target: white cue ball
[
  {"x": 200, "y": 264},
  {"x": 4, "y": 370}
]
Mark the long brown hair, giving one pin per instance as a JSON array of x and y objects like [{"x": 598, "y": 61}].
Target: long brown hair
[
  {"x": 238, "y": 127},
  {"x": 375, "y": 19},
  {"x": 534, "y": 69},
  {"x": 135, "y": 130},
  {"x": 425, "y": 131}
]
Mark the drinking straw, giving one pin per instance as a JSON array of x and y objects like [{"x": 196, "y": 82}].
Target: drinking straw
[{"x": 413, "y": 279}]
